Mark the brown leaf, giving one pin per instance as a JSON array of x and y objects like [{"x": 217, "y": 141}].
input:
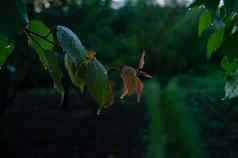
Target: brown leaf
[
  {"x": 128, "y": 76},
  {"x": 131, "y": 81}
]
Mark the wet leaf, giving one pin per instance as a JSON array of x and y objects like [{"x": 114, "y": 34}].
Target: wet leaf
[
  {"x": 83, "y": 67},
  {"x": 98, "y": 83},
  {"x": 75, "y": 73},
  {"x": 70, "y": 43}
]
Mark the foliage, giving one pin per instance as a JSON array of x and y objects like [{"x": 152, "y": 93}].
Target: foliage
[
  {"x": 204, "y": 22},
  {"x": 178, "y": 124},
  {"x": 156, "y": 143},
  {"x": 84, "y": 69},
  {"x": 45, "y": 51},
  {"x": 172, "y": 131},
  {"x": 116, "y": 37},
  {"x": 221, "y": 23},
  {"x": 215, "y": 41}
]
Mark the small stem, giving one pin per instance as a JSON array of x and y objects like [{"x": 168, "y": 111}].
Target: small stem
[{"x": 42, "y": 37}]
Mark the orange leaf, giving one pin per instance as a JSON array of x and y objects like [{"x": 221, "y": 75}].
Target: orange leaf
[
  {"x": 128, "y": 76},
  {"x": 131, "y": 81}
]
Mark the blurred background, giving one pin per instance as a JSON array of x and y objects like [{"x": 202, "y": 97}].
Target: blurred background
[{"x": 181, "y": 113}]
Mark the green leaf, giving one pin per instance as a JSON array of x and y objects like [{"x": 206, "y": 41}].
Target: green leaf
[
  {"x": 204, "y": 21},
  {"x": 6, "y": 48},
  {"x": 44, "y": 49},
  {"x": 92, "y": 74},
  {"x": 50, "y": 62},
  {"x": 230, "y": 66},
  {"x": 55, "y": 71},
  {"x": 231, "y": 87},
  {"x": 98, "y": 83},
  {"x": 40, "y": 28},
  {"x": 75, "y": 54},
  {"x": 155, "y": 132},
  {"x": 76, "y": 73},
  {"x": 178, "y": 124},
  {"x": 70, "y": 43},
  {"x": 214, "y": 41}
]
